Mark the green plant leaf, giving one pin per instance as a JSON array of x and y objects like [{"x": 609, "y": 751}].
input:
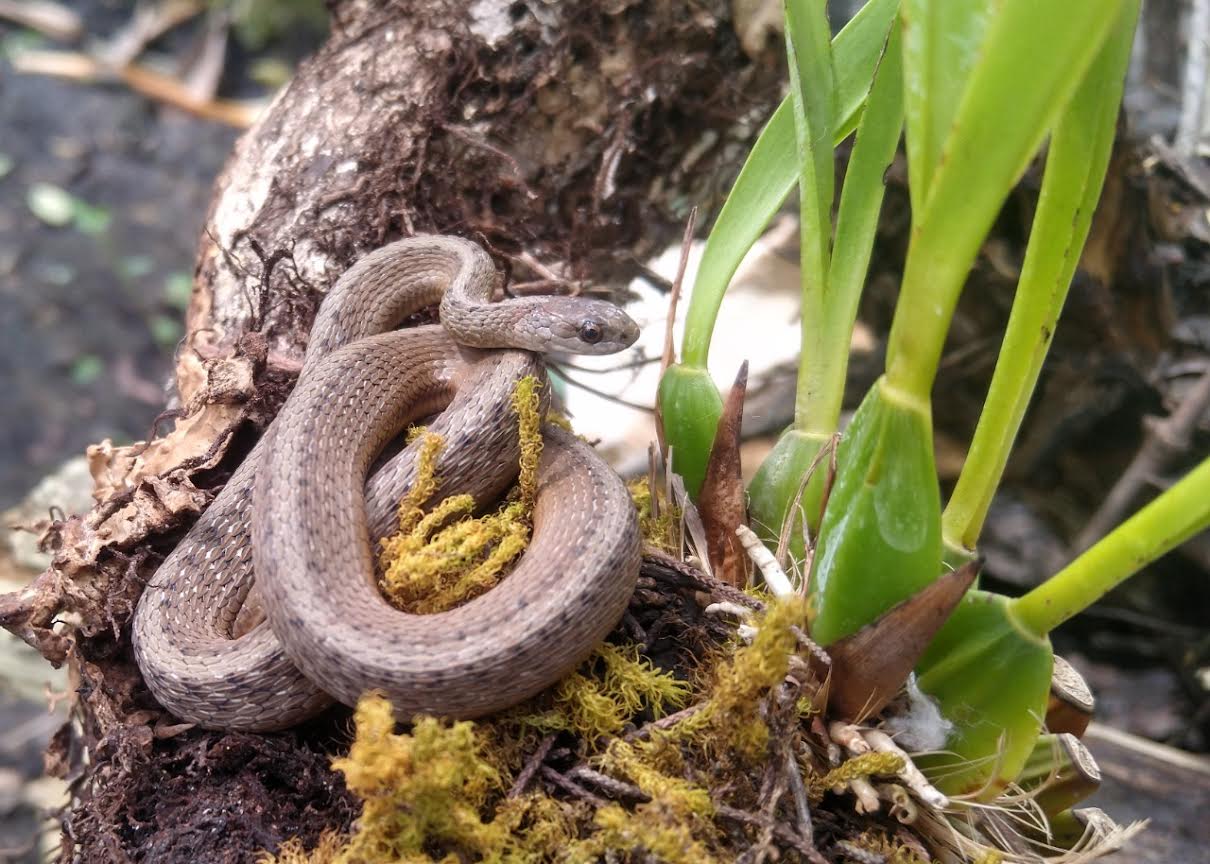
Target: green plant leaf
[
  {"x": 86, "y": 369},
  {"x": 821, "y": 374},
  {"x": 771, "y": 171},
  {"x": 773, "y": 489},
  {"x": 178, "y": 289},
  {"x": 1182, "y": 511},
  {"x": 880, "y": 538},
  {"x": 812, "y": 97},
  {"x": 990, "y": 679},
  {"x": 90, "y": 219},
  {"x": 856, "y": 225},
  {"x": 767, "y": 176},
  {"x": 941, "y": 41},
  {"x": 690, "y": 406},
  {"x": 1034, "y": 55},
  {"x": 1076, "y": 162}
]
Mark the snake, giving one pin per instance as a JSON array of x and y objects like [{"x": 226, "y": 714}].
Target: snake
[{"x": 268, "y": 609}]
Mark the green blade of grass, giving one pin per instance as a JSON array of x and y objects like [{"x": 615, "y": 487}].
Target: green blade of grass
[
  {"x": 1034, "y": 55},
  {"x": 1075, "y": 170}
]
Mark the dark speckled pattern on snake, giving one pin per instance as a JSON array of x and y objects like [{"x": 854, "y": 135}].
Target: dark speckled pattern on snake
[{"x": 292, "y": 532}]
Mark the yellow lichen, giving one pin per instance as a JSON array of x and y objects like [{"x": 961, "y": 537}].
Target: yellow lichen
[{"x": 438, "y": 560}]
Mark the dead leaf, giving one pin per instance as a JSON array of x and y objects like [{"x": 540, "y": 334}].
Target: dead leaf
[
  {"x": 722, "y": 502},
  {"x": 869, "y": 666},
  {"x": 197, "y": 441}
]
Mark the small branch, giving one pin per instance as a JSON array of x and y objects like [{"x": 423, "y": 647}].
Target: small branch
[
  {"x": 142, "y": 79},
  {"x": 1166, "y": 440},
  {"x": 50, "y": 19},
  {"x": 572, "y": 788},
  {"x": 780, "y": 831},
  {"x": 532, "y": 765}
]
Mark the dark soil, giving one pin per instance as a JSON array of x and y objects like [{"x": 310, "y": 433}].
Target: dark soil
[{"x": 89, "y": 321}]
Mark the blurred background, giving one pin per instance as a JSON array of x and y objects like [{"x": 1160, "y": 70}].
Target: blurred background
[{"x": 115, "y": 118}]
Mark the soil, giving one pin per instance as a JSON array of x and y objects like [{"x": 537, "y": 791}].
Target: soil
[{"x": 91, "y": 314}]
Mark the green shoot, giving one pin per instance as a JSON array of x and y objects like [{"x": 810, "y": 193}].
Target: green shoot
[{"x": 1075, "y": 169}]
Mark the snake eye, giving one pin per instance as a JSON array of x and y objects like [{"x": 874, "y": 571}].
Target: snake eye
[{"x": 591, "y": 332}]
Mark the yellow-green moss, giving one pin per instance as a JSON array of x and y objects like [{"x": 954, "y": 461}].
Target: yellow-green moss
[
  {"x": 662, "y": 531},
  {"x": 425, "y": 787},
  {"x": 292, "y": 851},
  {"x": 649, "y": 827},
  {"x": 891, "y": 851},
  {"x": 731, "y": 719},
  {"x": 866, "y": 765},
  {"x": 438, "y": 560},
  {"x": 611, "y": 688},
  {"x": 654, "y": 765}
]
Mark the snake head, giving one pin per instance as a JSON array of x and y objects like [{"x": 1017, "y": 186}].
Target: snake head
[{"x": 583, "y": 325}]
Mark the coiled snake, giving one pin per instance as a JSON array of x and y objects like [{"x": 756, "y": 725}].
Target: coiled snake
[{"x": 299, "y": 521}]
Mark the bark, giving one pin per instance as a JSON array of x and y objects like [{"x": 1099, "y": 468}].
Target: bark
[{"x": 570, "y": 138}]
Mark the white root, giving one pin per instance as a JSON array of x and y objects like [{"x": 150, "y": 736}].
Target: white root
[
  {"x": 774, "y": 576},
  {"x": 910, "y": 775}
]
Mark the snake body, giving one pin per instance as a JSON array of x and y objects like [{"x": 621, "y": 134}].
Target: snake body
[{"x": 293, "y": 531}]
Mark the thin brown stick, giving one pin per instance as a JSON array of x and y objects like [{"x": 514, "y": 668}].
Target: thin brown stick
[
  {"x": 531, "y": 767},
  {"x": 674, "y": 296}
]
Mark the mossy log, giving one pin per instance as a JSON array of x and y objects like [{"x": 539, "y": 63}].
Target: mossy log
[{"x": 570, "y": 138}]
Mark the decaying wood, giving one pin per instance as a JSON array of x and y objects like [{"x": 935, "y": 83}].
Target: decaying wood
[{"x": 570, "y": 138}]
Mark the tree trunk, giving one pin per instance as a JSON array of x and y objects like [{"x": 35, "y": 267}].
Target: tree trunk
[{"x": 570, "y": 138}]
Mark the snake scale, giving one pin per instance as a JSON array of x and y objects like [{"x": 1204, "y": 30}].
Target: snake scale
[{"x": 268, "y": 608}]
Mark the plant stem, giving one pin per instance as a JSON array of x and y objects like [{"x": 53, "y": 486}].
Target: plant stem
[
  {"x": 811, "y": 91},
  {"x": 1171, "y": 519},
  {"x": 1032, "y": 58},
  {"x": 1071, "y": 186}
]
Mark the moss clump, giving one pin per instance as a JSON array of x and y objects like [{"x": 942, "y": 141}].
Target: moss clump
[
  {"x": 889, "y": 850},
  {"x": 731, "y": 720},
  {"x": 292, "y": 851},
  {"x": 650, "y": 827},
  {"x": 859, "y": 767},
  {"x": 419, "y": 788},
  {"x": 442, "y": 558},
  {"x": 659, "y": 518},
  {"x": 613, "y": 686}
]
